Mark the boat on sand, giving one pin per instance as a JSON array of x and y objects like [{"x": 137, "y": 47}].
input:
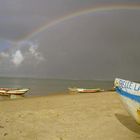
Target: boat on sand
[
  {"x": 13, "y": 91},
  {"x": 130, "y": 96},
  {"x": 83, "y": 90}
]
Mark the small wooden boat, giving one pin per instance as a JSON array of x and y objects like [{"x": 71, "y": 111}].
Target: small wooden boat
[
  {"x": 82, "y": 90},
  {"x": 130, "y": 95},
  {"x": 13, "y": 91}
]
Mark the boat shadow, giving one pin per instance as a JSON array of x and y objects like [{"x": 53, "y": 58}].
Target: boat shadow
[{"x": 128, "y": 122}]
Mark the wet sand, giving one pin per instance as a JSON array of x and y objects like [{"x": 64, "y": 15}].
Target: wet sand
[{"x": 98, "y": 116}]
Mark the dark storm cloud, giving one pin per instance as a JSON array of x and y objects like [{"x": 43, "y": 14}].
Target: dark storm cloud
[
  {"x": 101, "y": 45},
  {"x": 19, "y": 18},
  {"x": 93, "y": 47}
]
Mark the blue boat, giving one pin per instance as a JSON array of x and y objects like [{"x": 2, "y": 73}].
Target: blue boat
[{"x": 130, "y": 96}]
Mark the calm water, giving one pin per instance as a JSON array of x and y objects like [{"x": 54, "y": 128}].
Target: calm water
[{"x": 39, "y": 87}]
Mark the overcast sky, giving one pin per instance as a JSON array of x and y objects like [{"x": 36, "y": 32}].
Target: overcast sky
[{"x": 70, "y": 39}]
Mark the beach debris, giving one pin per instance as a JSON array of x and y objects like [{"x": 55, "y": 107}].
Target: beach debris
[
  {"x": 5, "y": 134},
  {"x": 1, "y": 126},
  {"x": 16, "y": 96}
]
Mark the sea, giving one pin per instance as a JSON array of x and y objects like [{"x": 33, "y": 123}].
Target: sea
[{"x": 43, "y": 87}]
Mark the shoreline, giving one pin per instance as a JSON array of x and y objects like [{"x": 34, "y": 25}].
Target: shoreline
[{"x": 66, "y": 117}]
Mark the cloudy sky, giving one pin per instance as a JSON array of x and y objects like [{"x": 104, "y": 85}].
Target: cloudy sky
[{"x": 70, "y": 39}]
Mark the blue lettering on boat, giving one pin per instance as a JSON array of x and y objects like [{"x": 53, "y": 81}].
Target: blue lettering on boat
[
  {"x": 129, "y": 85},
  {"x": 137, "y": 87}
]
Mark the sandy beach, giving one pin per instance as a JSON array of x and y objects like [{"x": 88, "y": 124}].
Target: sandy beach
[{"x": 98, "y": 116}]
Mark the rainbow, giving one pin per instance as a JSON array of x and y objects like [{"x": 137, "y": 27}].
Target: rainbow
[{"x": 82, "y": 12}]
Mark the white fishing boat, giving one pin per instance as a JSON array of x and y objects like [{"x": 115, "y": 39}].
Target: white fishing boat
[
  {"x": 130, "y": 95},
  {"x": 83, "y": 90},
  {"x": 13, "y": 91}
]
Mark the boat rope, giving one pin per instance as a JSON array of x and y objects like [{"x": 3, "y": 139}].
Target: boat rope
[{"x": 128, "y": 95}]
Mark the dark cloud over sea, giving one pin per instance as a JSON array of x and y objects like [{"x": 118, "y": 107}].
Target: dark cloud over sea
[{"x": 70, "y": 39}]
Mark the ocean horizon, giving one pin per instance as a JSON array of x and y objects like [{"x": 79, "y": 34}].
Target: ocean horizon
[{"x": 42, "y": 87}]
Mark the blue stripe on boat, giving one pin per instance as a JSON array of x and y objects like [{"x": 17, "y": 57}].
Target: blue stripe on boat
[{"x": 126, "y": 94}]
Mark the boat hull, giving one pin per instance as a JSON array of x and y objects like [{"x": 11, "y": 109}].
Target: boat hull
[
  {"x": 10, "y": 91},
  {"x": 81, "y": 90},
  {"x": 130, "y": 95}
]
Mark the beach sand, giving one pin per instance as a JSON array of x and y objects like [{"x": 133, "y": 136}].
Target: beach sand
[{"x": 96, "y": 116}]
